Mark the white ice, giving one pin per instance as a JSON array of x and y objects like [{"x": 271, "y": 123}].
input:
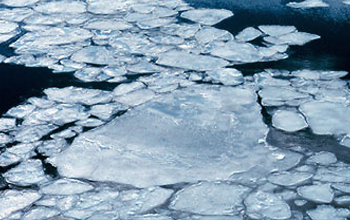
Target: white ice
[
  {"x": 207, "y": 16},
  {"x": 325, "y": 212},
  {"x": 295, "y": 38},
  {"x": 318, "y": 193},
  {"x": 248, "y": 34},
  {"x": 7, "y": 27},
  {"x": 288, "y": 121},
  {"x": 211, "y": 198},
  {"x": 65, "y": 187},
  {"x": 41, "y": 212},
  {"x": 65, "y": 6},
  {"x": 19, "y": 3},
  {"x": 277, "y": 30},
  {"x": 289, "y": 178},
  {"x": 322, "y": 158},
  {"x": 227, "y": 76},
  {"x": 308, "y": 4}
]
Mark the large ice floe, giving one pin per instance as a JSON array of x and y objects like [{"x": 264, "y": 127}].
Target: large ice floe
[{"x": 179, "y": 132}]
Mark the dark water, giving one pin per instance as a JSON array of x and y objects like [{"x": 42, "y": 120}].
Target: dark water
[{"x": 331, "y": 52}]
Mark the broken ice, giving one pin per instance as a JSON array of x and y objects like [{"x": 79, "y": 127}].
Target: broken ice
[{"x": 207, "y": 16}]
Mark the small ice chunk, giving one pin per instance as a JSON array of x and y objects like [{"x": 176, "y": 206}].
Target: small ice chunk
[
  {"x": 322, "y": 158},
  {"x": 343, "y": 187},
  {"x": 28, "y": 134},
  {"x": 261, "y": 205},
  {"x": 27, "y": 173},
  {"x": 129, "y": 87},
  {"x": 20, "y": 111},
  {"x": 326, "y": 118},
  {"x": 288, "y": 121},
  {"x": 342, "y": 200},
  {"x": 41, "y": 212},
  {"x": 66, "y": 187},
  {"x": 137, "y": 97},
  {"x": 7, "y": 124},
  {"x": 210, "y": 34},
  {"x": 7, "y": 26},
  {"x": 182, "y": 30},
  {"x": 65, "y": 7},
  {"x": 17, "y": 153},
  {"x": 19, "y": 3},
  {"x": 94, "y": 55},
  {"x": 276, "y": 30},
  {"x": 167, "y": 39},
  {"x": 248, "y": 34},
  {"x": 318, "y": 193},
  {"x": 308, "y": 4},
  {"x": 144, "y": 67},
  {"x": 106, "y": 111},
  {"x": 207, "y": 16},
  {"x": 227, "y": 76},
  {"x": 41, "y": 103},
  {"x": 5, "y": 139},
  {"x": 13, "y": 200},
  {"x": 108, "y": 24},
  {"x": 154, "y": 23},
  {"x": 184, "y": 60},
  {"x": 90, "y": 122},
  {"x": 296, "y": 38},
  {"x": 74, "y": 95},
  {"x": 280, "y": 95},
  {"x": 237, "y": 52},
  {"x": 289, "y": 178},
  {"x": 210, "y": 198},
  {"x": 52, "y": 147},
  {"x": 326, "y": 212},
  {"x": 333, "y": 174}
]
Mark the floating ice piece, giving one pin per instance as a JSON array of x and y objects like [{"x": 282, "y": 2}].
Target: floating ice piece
[
  {"x": 27, "y": 173},
  {"x": 346, "y": 141},
  {"x": 94, "y": 55},
  {"x": 28, "y": 134},
  {"x": 342, "y": 200},
  {"x": 261, "y": 205},
  {"x": 237, "y": 52},
  {"x": 41, "y": 212},
  {"x": 318, "y": 193},
  {"x": 154, "y": 23},
  {"x": 279, "y": 95},
  {"x": 347, "y": 2},
  {"x": 167, "y": 39},
  {"x": 5, "y": 139},
  {"x": 7, "y": 37},
  {"x": 90, "y": 122},
  {"x": 20, "y": 111},
  {"x": 248, "y": 34},
  {"x": 276, "y": 30},
  {"x": 187, "y": 120},
  {"x": 65, "y": 6},
  {"x": 41, "y": 102},
  {"x": 319, "y": 74},
  {"x": 182, "y": 30},
  {"x": 108, "y": 24},
  {"x": 184, "y": 60},
  {"x": 137, "y": 97},
  {"x": 343, "y": 187},
  {"x": 106, "y": 6},
  {"x": 296, "y": 38},
  {"x": 52, "y": 147},
  {"x": 15, "y": 14},
  {"x": 333, "y": 174},
  {"x": 210, "y": 198},
  {"x": 105, "y": 112},
  {"x": 289, "y": 178},
  {"x": 144, "y": 67},
  {"x": 17, "y": 153},
  {"x": 143, "y": 8},
  {"x": 207, "y": 16},
  {"x": 308, "y": 4},
  {"x": 19, "y": 3},
  {"x": 7, "y": 124},
  {"x": 288, "y": 121},
  {"x": 129, "y": 87},
  {"x": 42, "y": 19},
  {"x": 210, "y": 34},
  {"x": 265, "y": 79},
  {"x": 325, "y": 212},
  {"x": 13, "y": 200},
  {"x": 74, "y": 95},
  {"x": 162, "y": 12},
  {"x": 322, "y": 158},
  {"x": 326, "y": 118},
  {"x": 7, "y": 26},
  {"x": 65, "y": 187},
  {"x": 228, "y": 76},
  {"x": 59, "y": 115}
]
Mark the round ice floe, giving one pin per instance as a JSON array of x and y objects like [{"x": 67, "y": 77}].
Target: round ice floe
[
  {"x": 288, "y": 121},
  {"x": 289, "y": 178},
  {"x": 263, "y": 205},
  {"x": 66, "y": 187},
  {"x": 208, "y": 198},
  {"x": 326, "y": 212},
  {"x": 318, "y": 193},
  {"x": 65, "y": 6},
  {"x": 323, "y": 158},
  {"x": 7, "y": 26},
  {"x": 248, "y": 34},
  {"x": 228, "y": 76},
  {"x": 276, "y": 30},
  {"x": 207, "y": 16},
  {"x": 13, "y": 200},
  {"x": 327, "y": 118}
]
